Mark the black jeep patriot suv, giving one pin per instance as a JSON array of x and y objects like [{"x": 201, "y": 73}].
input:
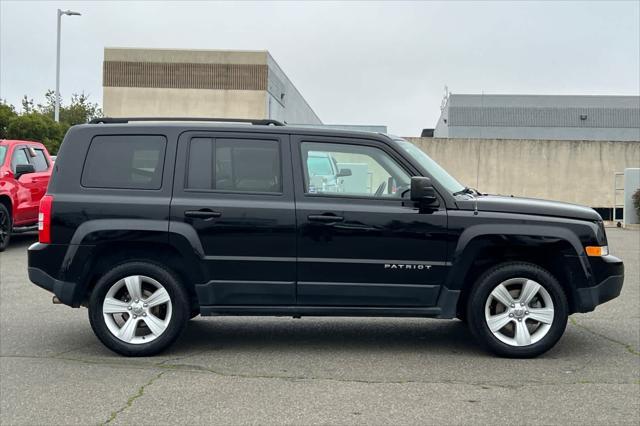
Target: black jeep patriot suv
[{"x": 150, "y": 222}]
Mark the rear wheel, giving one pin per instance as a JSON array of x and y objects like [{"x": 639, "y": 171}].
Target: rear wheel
[
  {"x": 517, "y": 310},
  {"x": 138, "y": 309},
  {"x": 5, "y": 227}
]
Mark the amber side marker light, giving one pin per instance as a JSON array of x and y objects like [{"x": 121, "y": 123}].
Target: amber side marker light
[{"x": 597, "y": 250}]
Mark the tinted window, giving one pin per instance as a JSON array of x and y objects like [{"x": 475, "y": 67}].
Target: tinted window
[
  {"x": 319, "y": 164},
  {"x": 357, "y": 170},
  {"x": 3, "y": 153},
  {"x": 125, "y": 161},
  {"x": 238, "y": 165},
  {"x": 40, "y": 161},
  {"x": 19, "y": 157}
]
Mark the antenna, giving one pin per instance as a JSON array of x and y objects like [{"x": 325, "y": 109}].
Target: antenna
[{"x": 445, "y": 98}]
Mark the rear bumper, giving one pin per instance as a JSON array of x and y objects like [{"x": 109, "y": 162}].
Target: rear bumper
[
  {"x": 46, "y": 267},
  {"x": 65, "y": 291},
  {"x": 611, "y": 272}
]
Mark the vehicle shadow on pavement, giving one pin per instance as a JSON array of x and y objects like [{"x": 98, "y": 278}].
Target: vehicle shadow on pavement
[{"x": 326, "y": 334}]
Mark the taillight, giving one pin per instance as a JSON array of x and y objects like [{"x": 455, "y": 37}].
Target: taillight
[{"x": 44, "y": 219}]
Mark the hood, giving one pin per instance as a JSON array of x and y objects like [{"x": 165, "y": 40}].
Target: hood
[{"x": 533, "y": 206}]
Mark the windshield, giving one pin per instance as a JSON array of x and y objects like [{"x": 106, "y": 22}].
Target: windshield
[
  {"x": 434, "y": 169},
  {"x": 3, "y": 152}
]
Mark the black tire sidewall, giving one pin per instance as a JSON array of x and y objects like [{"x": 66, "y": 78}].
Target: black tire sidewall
[
  {"x": 5, "y": 244},
  {"x": 485, "y": 285},
  {"x": 179, "y": 316}
]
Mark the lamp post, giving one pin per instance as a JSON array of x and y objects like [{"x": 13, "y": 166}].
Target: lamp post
[{"x": 57, "y": 105}]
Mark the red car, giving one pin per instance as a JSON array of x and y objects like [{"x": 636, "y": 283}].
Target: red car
[{"x": 25, "y": 168}]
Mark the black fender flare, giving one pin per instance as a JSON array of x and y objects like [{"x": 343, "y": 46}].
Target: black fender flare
[
  {"x": 89, "y": 236},
  {"x": 465, "y": 251}
]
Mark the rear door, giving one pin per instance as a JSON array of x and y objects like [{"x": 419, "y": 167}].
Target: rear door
[
  {"x": 42, "y": 165},
  {"x": 236, "y": 195}
]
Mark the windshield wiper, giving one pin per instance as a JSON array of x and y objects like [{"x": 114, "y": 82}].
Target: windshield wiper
[{"x": 467, "y": 190}]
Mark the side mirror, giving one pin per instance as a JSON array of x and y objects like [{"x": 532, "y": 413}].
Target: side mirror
[
  {"x": 422, "y": 190},
  {"x": 344, "y": 173},
  {"x": 23, "y": 169}
]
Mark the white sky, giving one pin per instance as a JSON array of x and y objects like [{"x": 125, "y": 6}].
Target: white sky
[{"x": 355, "y": 63}]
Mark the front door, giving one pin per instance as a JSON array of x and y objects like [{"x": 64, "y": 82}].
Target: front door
[
  {"x": 30, "y": 187},
  {"x": 360, "y": 242},
  {"x": 236, "y": 193}
]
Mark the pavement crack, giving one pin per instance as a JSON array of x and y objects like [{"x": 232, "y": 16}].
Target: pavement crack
[
  {"x": 629, "y": 348},
  {"x": 133, "y": 398}
]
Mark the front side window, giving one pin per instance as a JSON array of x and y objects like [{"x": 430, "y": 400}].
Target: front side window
[
  {"x": 352, "y": 170},
  {"x": 234, "y": 165},
  {"x": 125, "y": 161},
  {"x": 19, "y": 157}
]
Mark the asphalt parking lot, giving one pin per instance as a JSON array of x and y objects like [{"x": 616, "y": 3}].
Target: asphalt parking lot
[{"x": 314, "y": 370}]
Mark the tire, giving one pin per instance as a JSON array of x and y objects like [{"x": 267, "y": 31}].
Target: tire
[
  {"x": 542, "y": 317},
  {"x": 6, "y": 225},
  {"x": 147, "y": 318}
]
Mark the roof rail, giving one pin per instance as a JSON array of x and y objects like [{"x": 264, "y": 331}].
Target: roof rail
[{"x": 123, "y": 120}]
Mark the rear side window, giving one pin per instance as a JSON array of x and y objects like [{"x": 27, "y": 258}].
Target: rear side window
[
  {"x": 125, "y": 161},
  {"x": 235, "y": 165},
  {"x": 40, "y": 161}
]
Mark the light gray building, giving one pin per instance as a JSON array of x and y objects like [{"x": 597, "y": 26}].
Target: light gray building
[
  {"x": 610, "y": 118},
  {"x": 200, "y": 83}
]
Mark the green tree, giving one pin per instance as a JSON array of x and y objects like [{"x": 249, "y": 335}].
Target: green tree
[
  {"x": 36, "y": 120},
  {"x": 37, "y": 127},
  {"x": 79, "y": 111},
  {"x": 7, "y": 113}
]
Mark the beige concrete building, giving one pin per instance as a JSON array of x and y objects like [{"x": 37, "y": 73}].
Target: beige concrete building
[
  {"x": 200, "y": 83},
  {"x": 581, "y": 172}
]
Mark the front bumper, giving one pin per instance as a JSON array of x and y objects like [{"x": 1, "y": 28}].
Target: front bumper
[{"x": 609, "y": 274}]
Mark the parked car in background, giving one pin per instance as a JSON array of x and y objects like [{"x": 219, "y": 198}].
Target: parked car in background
[
  {"x": 324, "y": 173},
  {"x": 25, "y": 169}
]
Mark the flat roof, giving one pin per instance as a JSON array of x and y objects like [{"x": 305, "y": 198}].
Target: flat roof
[{"x": 191, "y": 56}]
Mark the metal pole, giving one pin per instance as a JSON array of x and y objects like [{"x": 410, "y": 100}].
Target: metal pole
[{"x": 57, "y": 104}]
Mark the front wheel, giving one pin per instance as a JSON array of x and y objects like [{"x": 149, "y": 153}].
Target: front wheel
[
  {"x": 517, "y": 310},
  {"x": 138, "y": 309},
  {"x": 5, "y": 227}
]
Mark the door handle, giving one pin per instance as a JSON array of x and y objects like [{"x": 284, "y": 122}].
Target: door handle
[
  {"x": 325, "y": 218},
  {"x": 202, "y": 214}
]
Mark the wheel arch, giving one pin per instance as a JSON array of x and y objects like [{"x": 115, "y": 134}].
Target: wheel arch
[
  {"x": 6, "y": 201},
  {"x": 554, "y": 249},
  {"x": 107, "y": 255}
]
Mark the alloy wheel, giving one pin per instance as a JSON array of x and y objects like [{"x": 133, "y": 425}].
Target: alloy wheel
[
  {"x": 519, "y": 312},
  {"x": 137, "y": 309}
]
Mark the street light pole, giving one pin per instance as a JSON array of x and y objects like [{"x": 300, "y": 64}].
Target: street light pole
[{"x": 57, "y": 104}]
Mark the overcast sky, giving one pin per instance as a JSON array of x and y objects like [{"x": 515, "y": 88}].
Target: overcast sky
[{"x": 355, "y": 63}]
